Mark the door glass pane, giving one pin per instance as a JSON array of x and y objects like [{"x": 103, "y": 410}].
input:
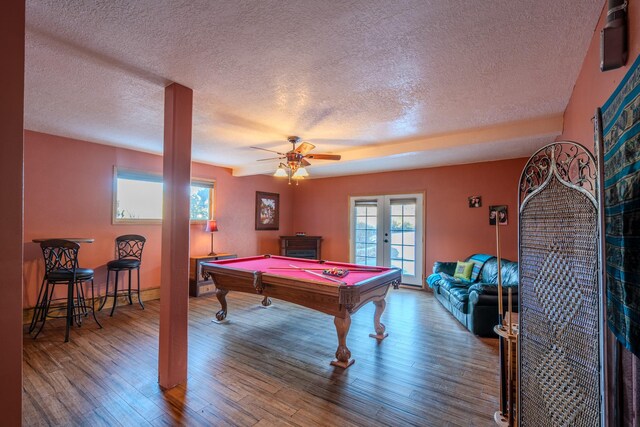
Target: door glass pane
[
  {"x": 409, "y": 252},
  {"x": 409, "y": 267},
  {"x": 396, "y": 263},
  {"x": 372, "y": 236},
  {"x": 396, "y": 222},
  {"x": 372, "y": 223},
  {"x": 396, "y": 209},
  {"x": 396, "y": 252},
  {"x": 410, "y": 238},
  {"x": 409, "y": 210},
  {"x": 409, "y": 222},
  {"x": 396, "y": 237}
]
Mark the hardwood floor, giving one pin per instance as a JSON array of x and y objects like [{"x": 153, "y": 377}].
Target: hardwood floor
[{"x": 265, "y": 367}]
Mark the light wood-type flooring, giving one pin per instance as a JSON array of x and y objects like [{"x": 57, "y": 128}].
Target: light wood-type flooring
[{"x": 265, "y": 367}]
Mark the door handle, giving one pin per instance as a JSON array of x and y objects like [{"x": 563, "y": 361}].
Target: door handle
[{"x": 386, "y": 241}]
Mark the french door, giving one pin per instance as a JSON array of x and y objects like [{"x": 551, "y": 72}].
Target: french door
[{"x": 387, "y": 230}]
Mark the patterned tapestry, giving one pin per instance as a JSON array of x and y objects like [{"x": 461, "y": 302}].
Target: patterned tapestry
[{"x": 621, "y": 140}]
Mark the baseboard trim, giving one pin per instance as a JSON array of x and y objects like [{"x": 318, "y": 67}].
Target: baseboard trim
[{"x": 147, "y": 295}]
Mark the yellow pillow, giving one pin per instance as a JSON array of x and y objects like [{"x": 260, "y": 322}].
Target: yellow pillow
[{"x": 463, "y": 270}]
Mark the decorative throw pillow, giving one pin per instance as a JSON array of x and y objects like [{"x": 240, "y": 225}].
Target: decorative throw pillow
[
  {"x": 463, "y": 270},
  {"x": 452, "y": 279}
]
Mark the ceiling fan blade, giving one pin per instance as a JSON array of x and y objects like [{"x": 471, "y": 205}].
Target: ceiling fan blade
[
  {"x": 270, "y": 158},
  {"x": 304, "y": 163},
  {"x": 271, "y": 151},
  {"x": 324, "y": 156},
  {"x": 304, "y": 148}
]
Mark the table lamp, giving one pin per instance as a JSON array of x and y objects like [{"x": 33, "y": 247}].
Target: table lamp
[{"x": 212, "y": 226}]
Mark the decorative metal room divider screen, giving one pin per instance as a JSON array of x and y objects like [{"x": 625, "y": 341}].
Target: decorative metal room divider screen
[{"x": 559, "y": 379}]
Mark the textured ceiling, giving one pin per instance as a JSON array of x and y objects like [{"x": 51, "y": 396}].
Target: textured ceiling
[{"x": 389, "y": 85}]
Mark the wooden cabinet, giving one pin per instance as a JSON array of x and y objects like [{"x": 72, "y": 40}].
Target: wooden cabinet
[
  {"x": 301, "y": 246},
  {"x": 197, "y": 285}
]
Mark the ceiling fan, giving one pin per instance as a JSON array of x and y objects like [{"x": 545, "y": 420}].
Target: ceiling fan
[{"x": 296, "y": 159}]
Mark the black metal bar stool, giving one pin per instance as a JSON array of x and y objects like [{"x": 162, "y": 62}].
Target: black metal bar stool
[
  {"x": 61, "y": 268},
  {"x": 129, "y": 249}
]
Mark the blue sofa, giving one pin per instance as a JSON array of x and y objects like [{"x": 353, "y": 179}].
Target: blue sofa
[{"x": 475, "y": 302}]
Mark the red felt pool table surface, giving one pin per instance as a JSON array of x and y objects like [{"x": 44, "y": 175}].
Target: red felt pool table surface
[
  {"x": 286, "y": 279},
  {"x": 286, "y": 267}
]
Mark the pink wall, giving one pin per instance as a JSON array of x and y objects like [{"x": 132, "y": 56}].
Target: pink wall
[
  {"x": 57, "y": 167},
  {"x": 452, "y": 230},
  {"x": 591, "y": 90},
  {"x": 593, "y": 87},
  {"x": 12, "y": 34}
]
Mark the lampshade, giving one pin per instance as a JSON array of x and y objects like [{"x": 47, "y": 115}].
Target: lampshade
[
  {"x": 301, "y": 172},
  {"x": 281, "y": 171},
  {"x": 212, "y": 225}
]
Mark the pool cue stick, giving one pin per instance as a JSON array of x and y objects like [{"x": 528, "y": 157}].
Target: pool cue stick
[
  {"x": 503, "y": 388},
  {"x": 372, "y": 270},
  {"x": 320, "y": 275},
  {"x": 510, "y": 360},
  {"x": 500, "y": 308}
]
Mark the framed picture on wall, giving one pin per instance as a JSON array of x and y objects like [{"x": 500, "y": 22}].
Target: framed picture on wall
[
  {"x": 475, "y": 201},
  {"x": 267, "y": 211},
  {"x": 499, "y": 213}
]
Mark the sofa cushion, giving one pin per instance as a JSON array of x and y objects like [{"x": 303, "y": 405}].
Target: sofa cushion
[
  {"x": 459, "y": 298},
  {"x": 509, "y": 272},
  {"x": 444, "y": 277},
  {"x": 444, "y": 267},
  {"x": 463, "y": 270},
  {"x": 444, "y": 291}
]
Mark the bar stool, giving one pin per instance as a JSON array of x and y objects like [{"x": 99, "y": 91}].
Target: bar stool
[
  {"x": 129, "y": 248},
  {"x": 61, "y": 268}
]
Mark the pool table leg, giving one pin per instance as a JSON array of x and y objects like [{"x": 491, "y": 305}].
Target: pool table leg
[
  {"x": 221, "y": 294},
  {"x": 379, "y": 326},
  {"x": 266, "y": 301},
  {"x": 343, "y": 355}
]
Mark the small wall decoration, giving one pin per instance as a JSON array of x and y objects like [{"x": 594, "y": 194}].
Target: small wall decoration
[
  {"x": 475, "y": 201},
  {"x": 499, "y": 212},
  {"x": 267, "y": 211}
]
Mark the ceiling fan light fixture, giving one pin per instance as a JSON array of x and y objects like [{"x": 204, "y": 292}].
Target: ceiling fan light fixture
[
  {"x": 281, "y": 171},
  {"x": 301, "y": 172},
  {"x": 294, "y": 161}
]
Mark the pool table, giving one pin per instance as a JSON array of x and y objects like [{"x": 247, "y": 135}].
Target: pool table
[{"x": 301, "y": 282}]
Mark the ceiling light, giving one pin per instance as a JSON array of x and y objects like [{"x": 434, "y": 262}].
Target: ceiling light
[
  {"x": 301, "y": 172},
  {"x": 281, "y": 171}
]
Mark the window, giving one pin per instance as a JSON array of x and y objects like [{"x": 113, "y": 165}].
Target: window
[
  {"x": 138, "y": 197},
  {"x": 201, "y": 200}
]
